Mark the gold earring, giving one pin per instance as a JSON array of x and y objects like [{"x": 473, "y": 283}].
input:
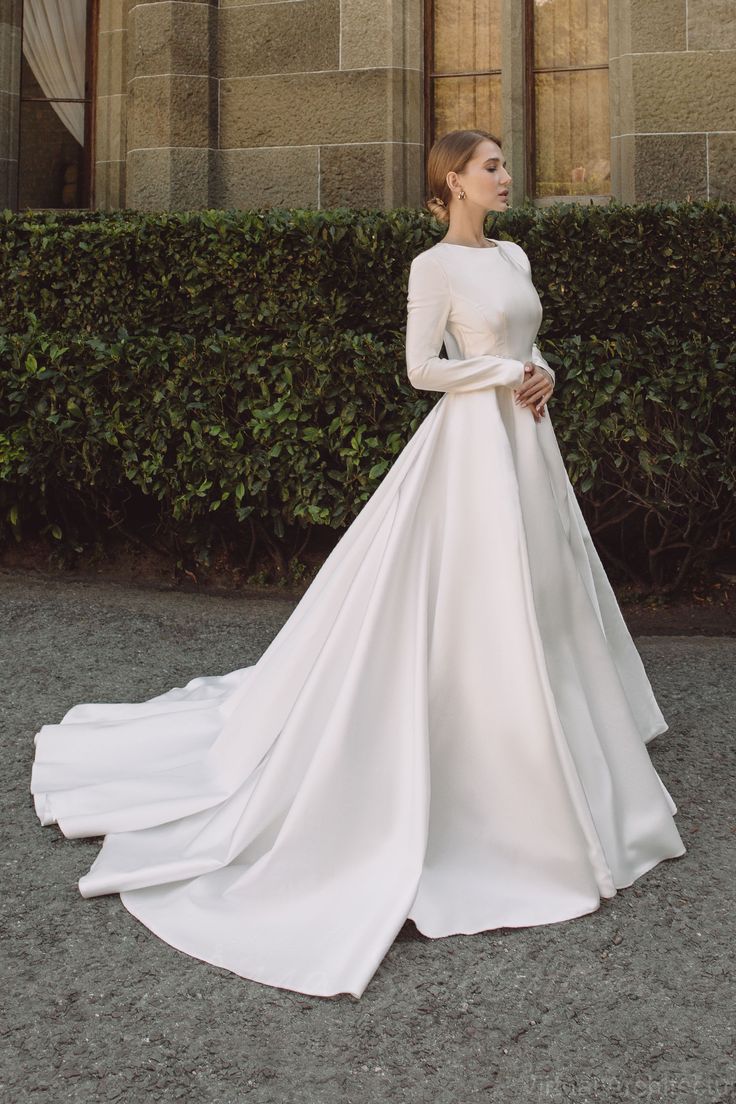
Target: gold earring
[{"x": 462, "y": 194}]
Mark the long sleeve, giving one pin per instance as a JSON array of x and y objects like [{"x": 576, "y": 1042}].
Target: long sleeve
[
  {"x": 428, "y": 309},
  {"x": 537, "y": 358}
]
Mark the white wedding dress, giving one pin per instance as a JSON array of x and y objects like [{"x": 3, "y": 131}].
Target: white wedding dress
[{"x": 451, "y": 726}]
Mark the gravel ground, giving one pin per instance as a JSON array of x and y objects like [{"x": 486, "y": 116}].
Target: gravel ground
[{"x": 632, "y": 1002}]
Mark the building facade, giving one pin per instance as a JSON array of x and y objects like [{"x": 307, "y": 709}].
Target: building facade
[{"x": 188, "y": 104}]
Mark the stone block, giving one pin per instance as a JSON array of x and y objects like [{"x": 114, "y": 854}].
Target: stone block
[
  {"x": 110, "y": 128},
  {"x": 619, "y": 29},
  {"x": 616, "y": 167},
  {"x": 172, "y": 39},
  {"x": 169, "y": 179},
  {"x": 669, "y": 167},
  {"x": 711, "y": 25},
  {"x": 622, "y": 106},
  {"x": 722, "y": 166},
  {"x": 381, "y": 34},
  {"x": 252, "y": 178},
  {"x": 371, "y": 105},
  {"x": 9, "y": 58},
  {"x": 109, "y": 185},
  {"x": 10, "y": 12},
  {"x": 172, "y": 111},
  {"x": 8, "y": 184},
  {"x": 628, "y": 188},
  {"x": 112, "y": 15},
  {"x": 9, "y": 107},
  {"x": 378, "y": 175},
  {"x": 279, "y": 38},
  {"x": 112, "y": 64},
  {"x": 694, "y": 91},
  {"x": 655, "y": 25}
]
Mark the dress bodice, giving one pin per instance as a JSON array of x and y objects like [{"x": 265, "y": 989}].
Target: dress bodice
[{"x": 482, "y": 305}]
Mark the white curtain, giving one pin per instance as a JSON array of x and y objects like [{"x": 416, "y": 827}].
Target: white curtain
[{"x": 54, "y": 40}]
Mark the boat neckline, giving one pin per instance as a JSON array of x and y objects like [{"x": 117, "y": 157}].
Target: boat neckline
[{"x": 477, "y": 248}]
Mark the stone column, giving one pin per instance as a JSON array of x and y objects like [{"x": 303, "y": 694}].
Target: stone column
[
  {"x": 385, "y": 39},
  {"x": 110, "y": 101},
  {"x": 513, "y": 97},
  {"x": 172, "y": 98},
  {"x": 673, "y": 100},
  {"x": 10, "y": 47}
]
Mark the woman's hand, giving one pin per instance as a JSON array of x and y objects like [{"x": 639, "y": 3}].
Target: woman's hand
[{"x": 535, "y": 390}]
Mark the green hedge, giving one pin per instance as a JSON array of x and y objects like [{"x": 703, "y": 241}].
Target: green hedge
[
  {"x": 238, "y": 378},
  {"x": 600, "y": 270}
]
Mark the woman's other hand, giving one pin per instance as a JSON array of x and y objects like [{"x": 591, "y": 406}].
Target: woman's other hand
[{"x": 535, "y": 390}]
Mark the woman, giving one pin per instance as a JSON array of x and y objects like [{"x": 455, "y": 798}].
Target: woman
[{"x": 452, "y": 724}]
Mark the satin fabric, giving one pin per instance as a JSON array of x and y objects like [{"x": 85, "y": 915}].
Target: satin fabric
[{"x": 450, "y": 727}]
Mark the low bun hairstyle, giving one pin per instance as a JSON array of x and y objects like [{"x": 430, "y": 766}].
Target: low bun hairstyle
[
  {"x": 438, "y": 209},
  {"x": 450, "y": 153}
]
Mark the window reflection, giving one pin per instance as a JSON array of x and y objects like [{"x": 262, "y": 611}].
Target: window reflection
[
  {"x": 572, "y": 133},
  {"x": 570, "y": 32},
  {"x": 465, "y": 76},
  {"x": 462, "y": 103},
  {"x": 467, "y": 35},
  {"x": 571, "y": 107}
]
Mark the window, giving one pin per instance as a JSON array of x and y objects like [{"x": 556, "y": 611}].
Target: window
[
  {"x": 56, "y": 104},
  {"x": 570, "y": 127},
  {"x": 464, "y": 65},
  {"x": 562, "y": 60}
]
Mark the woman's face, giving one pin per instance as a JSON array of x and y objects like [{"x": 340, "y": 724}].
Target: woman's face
[{"x": 484, "y": 178}]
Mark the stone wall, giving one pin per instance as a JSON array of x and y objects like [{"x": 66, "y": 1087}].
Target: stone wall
[
  {"x": 673, "y": 99},
  {"x": 318, "y": 103},
  {"x": 300, "y": 103}
]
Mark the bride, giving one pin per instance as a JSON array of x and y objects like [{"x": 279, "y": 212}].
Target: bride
[{"x": 452, "y": 724}]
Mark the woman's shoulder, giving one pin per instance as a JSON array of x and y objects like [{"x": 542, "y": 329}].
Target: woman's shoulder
[
  {"x": 428, "y": 267},
  {"x": 517, "y": 253},
  {"x": 428, "y": 257}
]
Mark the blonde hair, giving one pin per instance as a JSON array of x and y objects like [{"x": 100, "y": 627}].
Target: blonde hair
[{"x": 450, "y": 153}]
